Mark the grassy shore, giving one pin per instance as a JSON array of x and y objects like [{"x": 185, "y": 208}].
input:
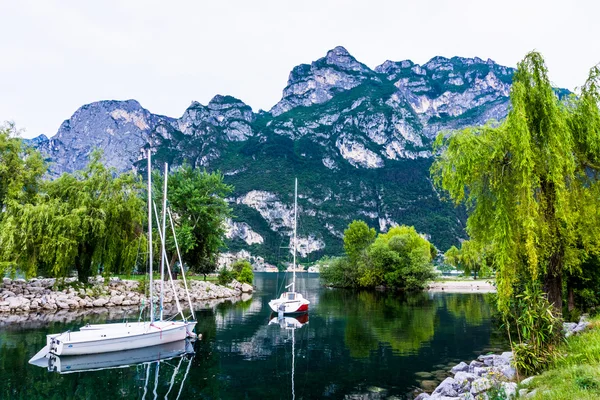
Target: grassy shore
[{"x": 577, "y": 374}]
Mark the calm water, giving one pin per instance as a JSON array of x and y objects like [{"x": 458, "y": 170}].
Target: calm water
[{"x": 375, "y": 344}]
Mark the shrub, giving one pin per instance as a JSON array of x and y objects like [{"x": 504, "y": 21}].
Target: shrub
[
  {"x": 225, "y": 276},
  {"x": 241, "y": 270},
  {"x": 538, "y": 329},
  {"x": 246, "y": 275}
]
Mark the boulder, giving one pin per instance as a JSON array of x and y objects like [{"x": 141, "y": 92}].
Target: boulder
[
  {"x": 480, "y": 385},
  {"x": 117, "y": 299},
  {"x": 480, "y": 371},
  {"x": 14, "y": 302},
  {"x": 247, "y": 288},
  {"x": 463, "y": 381},
  {"x": 73, "y": 303},
  {"x": 527, "y": 381},
  {"x": 465, "y": 376},
  {"x": 62, "y": 304},
  {"x": 446, "y": 388},
  {"x": 508, "y": 371},
  {"x": 531, "y": 394},
  {"x": 6, "y": 281},
  {"x": 510, "y": 389},
  {"x": 581, "y": 326},
  {"x": 462, "y": 367},
  {"x": 99, "y": 302}
]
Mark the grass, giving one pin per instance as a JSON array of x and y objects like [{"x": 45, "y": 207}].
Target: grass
[{"x": 576, "y": 375}]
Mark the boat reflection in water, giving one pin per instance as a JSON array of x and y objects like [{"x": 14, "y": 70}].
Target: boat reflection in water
[
  {"x": 290, "y": 323},
  {"x": 148, "y": 356}
]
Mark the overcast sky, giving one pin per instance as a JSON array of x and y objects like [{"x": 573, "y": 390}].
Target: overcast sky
[{"x": 59, "y": 55}]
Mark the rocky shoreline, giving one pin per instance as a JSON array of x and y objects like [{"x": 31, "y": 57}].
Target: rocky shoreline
[
  {"x": 48, "y": 295},
  {"x": 489, "y": 375}
]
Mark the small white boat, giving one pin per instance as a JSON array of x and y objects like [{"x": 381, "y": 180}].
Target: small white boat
[
  {"x": 116, "y": 338},
  {"x": 291, "y": 302},
  {"x": 119, "y": 359}
]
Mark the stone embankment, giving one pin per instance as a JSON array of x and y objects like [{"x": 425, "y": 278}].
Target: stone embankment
[
  {"x": 21, "y": 296},
  {"x": 490, "y": 373},
  {"x": 468, "y": 286}
]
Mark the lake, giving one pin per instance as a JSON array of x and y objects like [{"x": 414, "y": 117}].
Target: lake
[{"x": 352, "y": 344}]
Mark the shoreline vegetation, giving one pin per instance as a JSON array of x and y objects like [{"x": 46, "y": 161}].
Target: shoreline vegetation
[
  {"x": 51, "y": 295},
  {"x": 574, "y": 374}
]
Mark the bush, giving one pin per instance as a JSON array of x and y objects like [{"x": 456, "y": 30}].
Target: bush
[
  {"x": 225, "y": 276},
  {"x": 538, "y": 330},
  {"x": 338, "y": 272},
  {"x": 246, "y": 275},
  {"x": 241, "y": 270}
]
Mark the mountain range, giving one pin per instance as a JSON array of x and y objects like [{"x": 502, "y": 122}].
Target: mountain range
[{"x": 358, "y": 139}]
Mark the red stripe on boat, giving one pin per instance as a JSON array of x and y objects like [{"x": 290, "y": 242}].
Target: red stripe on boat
[{"x": 303, "y": 307}]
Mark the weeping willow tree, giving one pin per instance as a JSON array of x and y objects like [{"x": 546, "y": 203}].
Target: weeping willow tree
[
  {"x": 471, "y": 258},
  {"x": 83, "y": 221},
  {"x": 21, "y": 168},
  {"x": 530, "y": 184}
]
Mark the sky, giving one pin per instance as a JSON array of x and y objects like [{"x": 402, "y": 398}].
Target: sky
[{"x": 57, "y": 55}]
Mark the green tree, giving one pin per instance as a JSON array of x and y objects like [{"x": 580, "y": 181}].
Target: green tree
[
  {"x": 400, "y": 258},
  {"x": 197, "y": 201},
  {"x": 339, "y": 272},
  {"x": 529, "y": 183},
  {"x": 242, "y": 271},
  {"x": 21, "y": 168},
  {"x": 357, "y": 238},
  {"x": 471, "y": 258},
  {"x": 84, "y": 220}
]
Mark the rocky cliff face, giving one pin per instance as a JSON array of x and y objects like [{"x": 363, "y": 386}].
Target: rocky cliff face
[{"x": 358, "y": 139}]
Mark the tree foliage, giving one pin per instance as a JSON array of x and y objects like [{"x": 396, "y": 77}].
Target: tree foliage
[
  {"x": 86, "y": 220},
  {"x": 21, "y": 168},
  {"x": 530, "y": 183},
  {"x": 470, "y": 258},
  {"x": 357, "y": 237},
  {"x": 197, "y": 201},
  {"x": 242, "y": 270},
  {"x": 400, "y": 258}
]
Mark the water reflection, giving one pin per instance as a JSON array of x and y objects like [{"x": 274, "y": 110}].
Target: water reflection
[
  {"x": 119, "y": 359},
  {"x": 351, "y": 343}
]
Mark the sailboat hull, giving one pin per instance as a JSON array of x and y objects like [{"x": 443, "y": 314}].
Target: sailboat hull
[
  {"x": 290, "y": 303},
  {"x": 107, "y": 340},
  {"x": 120, "y": 359}
]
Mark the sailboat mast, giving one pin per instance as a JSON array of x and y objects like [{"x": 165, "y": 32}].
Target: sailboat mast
[
  {"x": 150, "y": 233},
  {"x": 164, "y": 239},
  {"x": 295, "y": 228}
]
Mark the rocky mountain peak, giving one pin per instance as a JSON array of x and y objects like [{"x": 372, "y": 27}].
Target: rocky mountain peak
[
  {"x": 120, "y": 128},
  {"x": 321, "y": 80},
  {"x": 340, "y": 57},
  {"x": 224, "y": 114}
]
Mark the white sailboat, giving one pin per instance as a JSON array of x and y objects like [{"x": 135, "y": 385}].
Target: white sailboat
[
  {"x": 103, "y": 338},
  {"x": 120, "y": 359},
  {"x": 291, "y": 301}
]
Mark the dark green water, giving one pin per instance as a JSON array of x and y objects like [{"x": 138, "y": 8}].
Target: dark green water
[{"x": 370, "y": 343}]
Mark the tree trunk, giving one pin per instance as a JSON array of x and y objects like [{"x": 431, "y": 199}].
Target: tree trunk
[
  {"x": 553, "y": 288},
  {"x": 83, "y": 263},
  {"x": 570, "y": 296}
]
